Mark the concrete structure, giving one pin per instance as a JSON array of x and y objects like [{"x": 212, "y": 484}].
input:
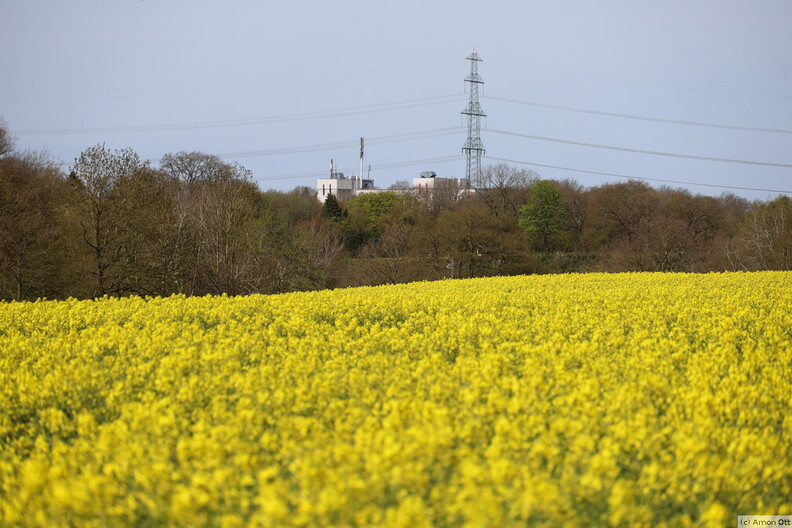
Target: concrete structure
[
  {"x": 345, "y": 188},
  {"x": 342, "y": 187},
  {"x": 428, "y": 183}
]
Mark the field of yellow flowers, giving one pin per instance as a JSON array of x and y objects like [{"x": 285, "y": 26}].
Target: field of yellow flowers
[{"x": 568, "y": 400}]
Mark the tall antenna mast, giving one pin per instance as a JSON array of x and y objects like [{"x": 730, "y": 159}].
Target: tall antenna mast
[
  {"x": 474, "y": 148},
  {"x": 360, "y": 176}
]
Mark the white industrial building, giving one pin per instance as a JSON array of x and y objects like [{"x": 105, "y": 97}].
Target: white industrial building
[
  {"x": 344, "y": 189},
  {"x": 429, "y": 182}
]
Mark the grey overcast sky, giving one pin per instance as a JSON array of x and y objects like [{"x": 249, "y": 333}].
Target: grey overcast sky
[{"x": 283, "y": 87}]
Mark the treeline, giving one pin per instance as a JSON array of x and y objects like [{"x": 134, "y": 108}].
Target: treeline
[
  {"x": 115, "y": 225},
  {"x": 517, "y": 223}
]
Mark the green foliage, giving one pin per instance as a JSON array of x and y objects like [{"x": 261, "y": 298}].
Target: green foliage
[
  {"x": 296, "y": 206},
  {"x": 197, "y": 225},
  {"x": 106, "y": 179},
  {"x": 331, "y": 208},
  {"x": 374, "y": 207},
  {"x": 544, "y": 215},
  {"x": 366, "y": 214}
]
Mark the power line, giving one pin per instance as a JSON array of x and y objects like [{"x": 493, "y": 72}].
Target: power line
[
  {"x": 442, "y": 159},
  {"x": 221, "y": 87},
  {"x": 387, "y": 166},
  {"x": 641, "y": 118},
  {"x": 640, "y": 151},
  {"x": 644, "y": 82},
  {"x": 381, "y": 140},
  {"x": 425, "y": 134},
  {"x": 505, "y": 160},
  {"x": 380, "y": 107}
]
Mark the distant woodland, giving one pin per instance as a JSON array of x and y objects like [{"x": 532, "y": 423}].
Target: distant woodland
[{"x": 114, "y": 225}]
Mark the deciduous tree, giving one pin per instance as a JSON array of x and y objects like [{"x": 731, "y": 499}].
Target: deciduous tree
[
  {"x": 544, "y": 216},
  {"x": 504, "y": 189},
  {"x": 31, "y": 198},
  {"x": 105, "y": 230},
  {"x": 6, "y": 140},
  {"x": 765, "y": 239}
]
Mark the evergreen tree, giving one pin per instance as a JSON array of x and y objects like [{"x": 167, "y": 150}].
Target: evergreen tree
[{"x": 331, "y": 209}]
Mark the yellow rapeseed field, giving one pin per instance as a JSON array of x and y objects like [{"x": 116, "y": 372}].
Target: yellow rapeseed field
[{"x": 569, "y": 400}]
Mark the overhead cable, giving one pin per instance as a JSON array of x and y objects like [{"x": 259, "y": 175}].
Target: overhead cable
[
  {"x": 662, "y": 84},
  {"x": 640, "y": 151},
  {"x": 365, "y": 109},
  {"x": 584, "y": 171},
  {"x": 218, "y": 87},
  {"x": 382, "y": 140},
  {"x": 641, "y": 118}
]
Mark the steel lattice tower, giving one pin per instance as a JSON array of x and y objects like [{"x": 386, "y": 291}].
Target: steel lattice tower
[{"x": 474, "y": 148}]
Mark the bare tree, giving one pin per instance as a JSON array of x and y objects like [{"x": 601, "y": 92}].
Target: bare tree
[
  {"x": 400, "y": 185},
  {"x": 765, "y": 239},
  {"x": 444, "y": 196},
  {"x": 209, "y": 196},
  {"x": 504, "y": 189},
  {"x": 320, "y": 242},
  {"x": 96, "y": 175},
  {"x": 6, "y": 140},
  {"x": 223, "y": 211},
  {"x": 392, "y": 259},
  {"x": 193, "y": 167},
  {"x": 616, "y": 210},
  {"x": 576, "y": 200},
  {"x": 31, "y": 197}
]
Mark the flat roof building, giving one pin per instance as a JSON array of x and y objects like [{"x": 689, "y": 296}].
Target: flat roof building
[{"x": 344, "y": 189}]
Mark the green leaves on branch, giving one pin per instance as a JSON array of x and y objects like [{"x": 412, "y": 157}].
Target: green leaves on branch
[{"x": 544, "y": 216}]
